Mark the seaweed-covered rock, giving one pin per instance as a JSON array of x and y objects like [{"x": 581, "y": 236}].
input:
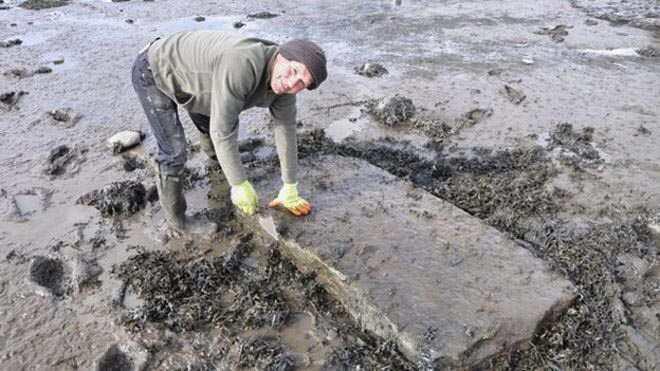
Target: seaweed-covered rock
[
  {"x": 117, "y": 199},
  {"x": 392, "y": 111},
  {"x": 371, "y": 70}
]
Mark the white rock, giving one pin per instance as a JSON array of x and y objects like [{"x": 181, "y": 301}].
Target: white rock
[{"x": 125, "y": 140}]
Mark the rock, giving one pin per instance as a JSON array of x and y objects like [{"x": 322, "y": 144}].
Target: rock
[
  {"x": 632, "y": 299},
  {"x": 10, "y": 43},
  {"x": 473, "y": 117},
  {"x": 64, "y": 117},
  {"x": 43, "y": 69},
  {"x": 450, "y": 290},
  {"x": 556, "y": 33},
  {"x": 515, "y": 96},
  {"x": 392, "y": 111},
  {"x": 117, "y": 199},
  {"x": 85, "y": 270},
  {"x": 9, "y": 100},
  {"x": 124, "y": 140},
  {"x": 649, "y": 52},
  {"x": 263, "y": 15},
  {"x": 371, "y": 70},
  {"x": 199, "y": 18},
  {"x": 238, "y": 24}
]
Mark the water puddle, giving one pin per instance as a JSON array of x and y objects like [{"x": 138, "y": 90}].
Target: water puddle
[
  {"x": 28, "y": 204},
  {"x": 621, "y": 52},
  {"x": 341, "y": 129}
]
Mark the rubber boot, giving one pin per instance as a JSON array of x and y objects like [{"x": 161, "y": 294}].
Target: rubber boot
[
  {"x": 173, "y": 202},
  {"x": 206, "y": 144}
]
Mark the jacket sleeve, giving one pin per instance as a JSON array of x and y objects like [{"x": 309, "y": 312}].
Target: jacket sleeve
[
  {"x": 283, "y": 111},
  {"x": 234, "y": 80}
]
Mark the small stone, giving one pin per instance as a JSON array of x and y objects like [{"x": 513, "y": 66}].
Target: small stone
[
  {"x": 238, "y": 24},
  {"x": 130, "y": 21},
  {"x": 199, "y": 18},
  {"x": 124, "y": 140},
  {"x": 371, "y": 70},
  {"x": 43, "y": 69},
  {"x": 263, "y": 15},
  {"x": 58, "y": 61},
  {"x": 632, "y": 299}
]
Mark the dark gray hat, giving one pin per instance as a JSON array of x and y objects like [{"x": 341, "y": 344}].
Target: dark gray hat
[{"x": 309, "y": 54}]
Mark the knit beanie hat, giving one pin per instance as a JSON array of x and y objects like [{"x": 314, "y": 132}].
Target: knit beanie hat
[{"x": 309, "y": 54}]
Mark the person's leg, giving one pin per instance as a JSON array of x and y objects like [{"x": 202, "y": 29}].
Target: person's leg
[
  {"x": 166, "y": 127},
  {"x": 202, "y": 124}
]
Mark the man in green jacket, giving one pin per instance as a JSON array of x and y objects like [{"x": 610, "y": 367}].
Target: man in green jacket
[{"x": 215, "y": 76}]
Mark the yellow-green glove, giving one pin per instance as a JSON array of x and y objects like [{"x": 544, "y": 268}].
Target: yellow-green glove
[
  {"x": 289, "y": 198},
  {"x": 244, "y": 197}
]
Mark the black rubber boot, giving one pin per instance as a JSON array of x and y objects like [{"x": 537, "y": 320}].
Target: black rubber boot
[{"x": 173, "y": 202}]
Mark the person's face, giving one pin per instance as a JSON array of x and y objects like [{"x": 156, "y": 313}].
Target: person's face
[{"x": 289, "y": 77}]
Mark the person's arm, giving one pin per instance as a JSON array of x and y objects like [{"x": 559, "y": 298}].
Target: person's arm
[
  {"x": 233, "y": 83},
  {"x": 284, "y": 129},
  {"x": 283, "y": 111}
]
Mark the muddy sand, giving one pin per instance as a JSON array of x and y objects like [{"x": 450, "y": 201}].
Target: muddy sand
[{"x": 539, "y": 118}]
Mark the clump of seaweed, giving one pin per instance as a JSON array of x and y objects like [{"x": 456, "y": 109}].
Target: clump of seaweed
[{"x": 189, "y": 295}]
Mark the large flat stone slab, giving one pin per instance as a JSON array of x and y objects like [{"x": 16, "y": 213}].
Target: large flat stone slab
[{"x": 409, "y": 266}]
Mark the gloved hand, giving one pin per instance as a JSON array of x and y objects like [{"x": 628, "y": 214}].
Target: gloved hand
[
  {"x": 244, "y": 197},
  {"x": 289, "y": 198}
]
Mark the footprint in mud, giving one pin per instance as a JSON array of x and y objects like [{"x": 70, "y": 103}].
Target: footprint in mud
[
  {"x": 115, "y": 360},
  {"x": 48, "y": 273}
]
